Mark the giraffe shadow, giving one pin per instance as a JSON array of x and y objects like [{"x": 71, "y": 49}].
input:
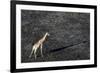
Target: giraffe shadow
[
  {"x": 62, "y": 48},
  {"x": 46, "y": 53}
]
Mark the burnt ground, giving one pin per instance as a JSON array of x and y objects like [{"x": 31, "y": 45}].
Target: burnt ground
[{"x": 69, "y": 35}]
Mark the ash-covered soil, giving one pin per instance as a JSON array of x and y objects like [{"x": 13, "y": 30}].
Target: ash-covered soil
[{"x": 69, "y": 35}]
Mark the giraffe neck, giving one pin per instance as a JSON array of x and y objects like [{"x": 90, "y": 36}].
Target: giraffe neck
[{"x": 44, "y": 37}]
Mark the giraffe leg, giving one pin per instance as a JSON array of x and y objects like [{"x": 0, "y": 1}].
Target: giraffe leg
[
  {"x": 31, "y": 53},
  {"x": 41, "y": 50},
  {"x": 35, "y": 54}
]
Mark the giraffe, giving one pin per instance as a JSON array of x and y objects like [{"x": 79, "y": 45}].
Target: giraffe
[{"x": 38, "y": 45}]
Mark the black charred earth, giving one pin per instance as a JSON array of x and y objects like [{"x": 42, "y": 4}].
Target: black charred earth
[{"x": 69, "y": 35}]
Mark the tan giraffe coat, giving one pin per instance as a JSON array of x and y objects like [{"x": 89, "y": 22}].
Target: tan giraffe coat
[{"x": 38, "y": 45}]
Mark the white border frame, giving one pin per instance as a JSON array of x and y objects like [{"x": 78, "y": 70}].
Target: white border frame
[{"x": 20, "y": 65}]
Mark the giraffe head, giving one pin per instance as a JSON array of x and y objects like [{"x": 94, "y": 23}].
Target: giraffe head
[{"x": 47, "y": 34}]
